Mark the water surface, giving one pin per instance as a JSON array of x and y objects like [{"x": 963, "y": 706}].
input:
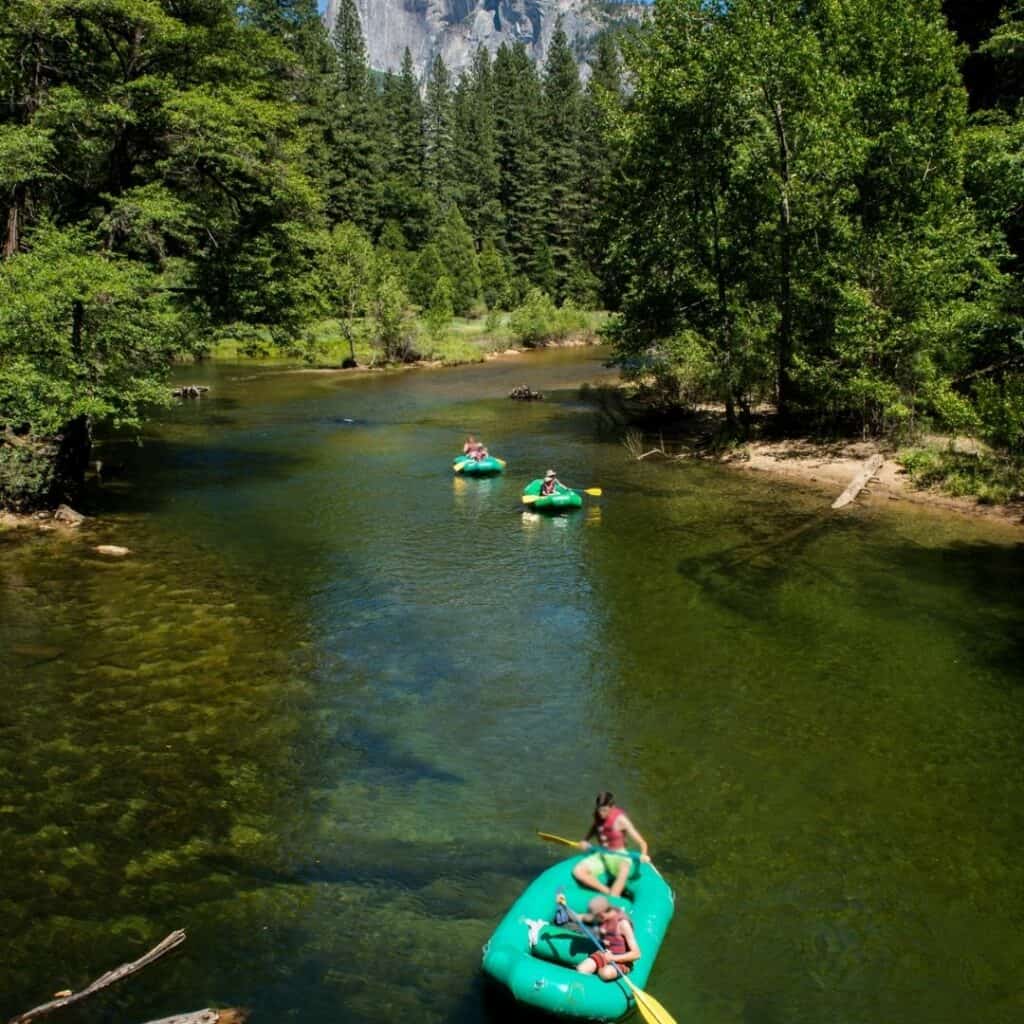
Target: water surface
[{"x": 317, "y": 715}]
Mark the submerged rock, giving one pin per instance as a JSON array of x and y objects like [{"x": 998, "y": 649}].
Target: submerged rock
[{"x": 114, "y": 550}]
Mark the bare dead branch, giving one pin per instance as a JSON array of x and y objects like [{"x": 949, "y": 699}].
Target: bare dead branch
[{"x": 172, "y": 941}]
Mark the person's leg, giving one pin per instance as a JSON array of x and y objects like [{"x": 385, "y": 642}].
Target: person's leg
[
  {"x": 621, "y": 877},
  {"x": 608, "y": 973},
  {"x": 588, "y": 966},
  {"x": 586, "y": 874}
]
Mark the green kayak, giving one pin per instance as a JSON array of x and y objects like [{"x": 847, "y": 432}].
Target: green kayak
[
  {"x": 488, "y": 466},
  {"x": 562, "y": 500},
  {"x": 542, "y": 975}
]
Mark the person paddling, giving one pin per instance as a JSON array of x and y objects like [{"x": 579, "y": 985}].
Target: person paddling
[
  {"x": 551, "y": 484},
  {"x": 611, "y": 826}
]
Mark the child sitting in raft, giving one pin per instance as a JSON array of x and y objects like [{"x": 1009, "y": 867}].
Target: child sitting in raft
[
  {"x": 474, "y": 449},
  {"x": 611, "y": 826},
  {"x": 615, "y": 930}
]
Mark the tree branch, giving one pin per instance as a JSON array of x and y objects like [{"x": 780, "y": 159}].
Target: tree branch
[{"x": 172, "y": 941}]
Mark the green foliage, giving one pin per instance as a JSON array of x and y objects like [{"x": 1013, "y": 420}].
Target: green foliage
[
  {"x": 439, "y": 313},
  {"x": 82, "y": 333},
  {"x": 494, "y": 277},
  {"x": 394, "y": 330},
  {"x": 802, "y": 215},
  {"x": 991, "y": 478},
  {"x": 539, "y": 321},
  {"x": 347, "y": 273},
  {"x": 458, "y": 257},
  {"x": 26, "y": 475},
  {"x": 1001, "y": 412}
]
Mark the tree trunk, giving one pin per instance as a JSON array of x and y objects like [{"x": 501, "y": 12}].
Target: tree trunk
[
  {"x": 784, "y": 348},
  {"x": 12, "y": 234},
  {"x": 73, "y": 452},
  {"x": 724, "y": 320}
]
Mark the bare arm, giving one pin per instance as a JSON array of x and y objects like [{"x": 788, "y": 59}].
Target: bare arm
[
  {"x": 632, "y": 946},
  {"x": 630, "y": 830}
]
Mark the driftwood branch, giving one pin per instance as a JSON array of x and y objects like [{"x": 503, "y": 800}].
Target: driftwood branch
[
  {"x": 205, "y": 1017},
  {"x": 172, "y": 941},
  {"x": 860, "y": 481}
]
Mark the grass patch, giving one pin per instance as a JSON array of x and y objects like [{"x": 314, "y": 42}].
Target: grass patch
[
  {"x": 464, "y": 340},
  {"x": 992, "y": 478}
]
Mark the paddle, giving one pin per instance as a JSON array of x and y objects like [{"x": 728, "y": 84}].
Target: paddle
[
  {"x": 590, "y": 849},
  {"x": 596, "y": 492},
  {"x": 650, "y": 1009}
]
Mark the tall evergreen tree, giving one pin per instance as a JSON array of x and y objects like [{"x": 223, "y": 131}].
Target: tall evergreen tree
[
  {"x": 355, "y": 158},
  {"x": 458, "y": 255},
  {"x": 439, "y": 158},
  {"x": 475, "y": 149},
  {"x": 522, "y": 180},
  {"x": 562, "y": 131}
]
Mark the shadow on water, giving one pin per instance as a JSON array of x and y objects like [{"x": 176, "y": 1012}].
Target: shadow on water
[{"x": 385, "y": 761}]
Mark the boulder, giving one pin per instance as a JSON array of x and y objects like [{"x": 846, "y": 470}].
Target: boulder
[{"x": 67, "y": 515}]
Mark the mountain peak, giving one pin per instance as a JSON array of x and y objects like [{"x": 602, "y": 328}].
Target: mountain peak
[{"x": 455, "y": 29}]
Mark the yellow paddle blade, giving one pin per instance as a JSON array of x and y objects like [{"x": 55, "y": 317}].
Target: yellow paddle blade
[
  {"x": 558, "y": 839},
  {"x": 650, "y": 1009},
  {"x": 595, "y": 491},
  {"x": 458, "y": 467},
  {"x": 529, "y": 499},
  {"x": 501, "y": 461}
]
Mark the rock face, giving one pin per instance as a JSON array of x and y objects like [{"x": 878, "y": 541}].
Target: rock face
[{"x": 456, "y": 28}]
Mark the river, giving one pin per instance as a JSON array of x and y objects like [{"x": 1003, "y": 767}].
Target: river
[{"x": 317, "y": 715}]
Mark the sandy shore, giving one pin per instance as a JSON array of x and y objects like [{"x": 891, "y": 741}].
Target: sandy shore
[{"x": 831, "y": 467}]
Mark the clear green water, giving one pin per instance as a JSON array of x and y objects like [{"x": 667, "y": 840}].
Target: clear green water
[{"x": 318, "y": 714}]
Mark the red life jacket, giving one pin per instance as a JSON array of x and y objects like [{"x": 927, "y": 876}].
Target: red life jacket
[
  {"x": 611, "y": 838},
  {"x": 611, "y": 938}
]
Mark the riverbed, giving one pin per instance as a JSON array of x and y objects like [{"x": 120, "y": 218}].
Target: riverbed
[{"x": 317, "y": 715}]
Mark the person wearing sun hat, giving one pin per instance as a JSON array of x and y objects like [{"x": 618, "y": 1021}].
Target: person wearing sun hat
[{"x": 551, "y": 483}]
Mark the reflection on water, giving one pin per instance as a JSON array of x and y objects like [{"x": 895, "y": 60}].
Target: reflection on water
[{"x": 318, "y": 714}]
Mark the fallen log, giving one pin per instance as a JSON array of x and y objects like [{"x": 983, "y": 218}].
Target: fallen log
[
  {"x": 172, "y": 941},
  {"x": 860, "y": 481}
]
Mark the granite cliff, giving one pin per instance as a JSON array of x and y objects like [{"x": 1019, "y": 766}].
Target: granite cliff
[{"x": 455, "y": 28}]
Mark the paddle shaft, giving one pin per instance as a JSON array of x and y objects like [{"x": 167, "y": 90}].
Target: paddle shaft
[
  {"x": 590, "y": 849},
  {"x": 650, "y": 1009}
]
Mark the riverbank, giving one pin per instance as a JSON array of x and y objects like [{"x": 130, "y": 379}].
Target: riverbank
[
  {"x": 464, "y": 340},
  {"x": 831, "y": 466}
]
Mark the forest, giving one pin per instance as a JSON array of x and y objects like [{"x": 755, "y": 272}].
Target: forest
[{"x": 814, "y": 208}]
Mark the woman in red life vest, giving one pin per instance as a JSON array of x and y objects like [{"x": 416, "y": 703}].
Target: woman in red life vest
[
  {"x": 611, "y": 827},
  {"x": 615, "y": 931}
]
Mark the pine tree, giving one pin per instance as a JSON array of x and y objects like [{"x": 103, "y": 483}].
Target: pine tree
[
  {"x": 404, "y": 197},
  {"x": 522, "y": 178},
  {"x": 458, "y": 256},
  {"x": 475, "y": 149},
  {"x": 355, "y": 158},
  {"x": 562, "y": 113},
  {"x": 494, "y": 277},
  {"x": 439, "y": 157},
  {"x": 598, "y": 164}
]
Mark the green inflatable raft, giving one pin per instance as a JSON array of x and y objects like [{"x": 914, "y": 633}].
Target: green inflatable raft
[
  {"x": 542, "y": 974},
  {"x": 488, "y": 466},
  {"x": 562, "y": 500}
]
